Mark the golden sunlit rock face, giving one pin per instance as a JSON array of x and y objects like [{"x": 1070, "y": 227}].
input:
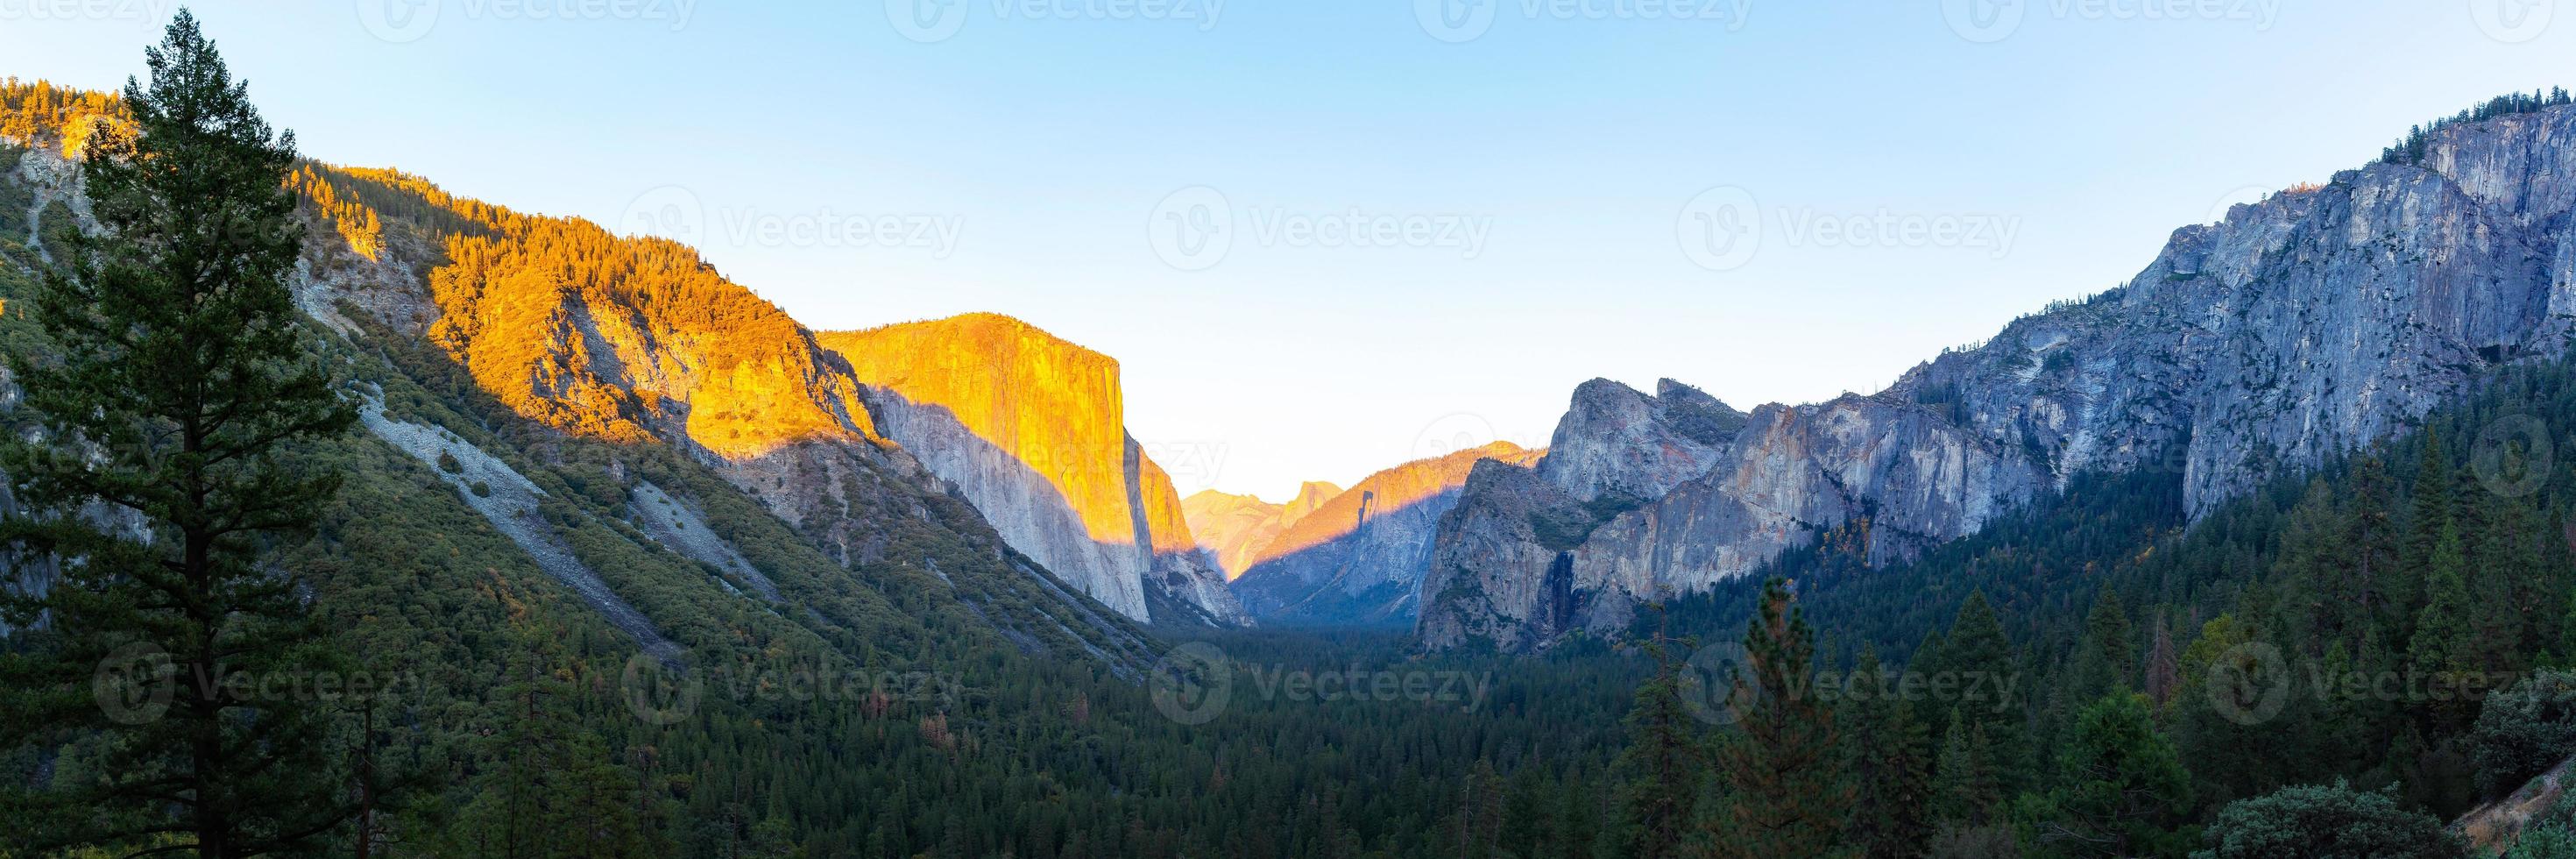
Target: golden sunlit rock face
[
  {"x": 1032, "y": 430},
  {"x": 1053, "y": 406},
  {"x": 624, "y": 339}
]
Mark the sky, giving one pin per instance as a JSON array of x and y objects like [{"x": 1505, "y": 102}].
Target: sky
[{"x": 1323, "y": 238}]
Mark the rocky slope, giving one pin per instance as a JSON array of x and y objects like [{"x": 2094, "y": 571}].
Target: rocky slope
[
  {"x": 2319, "y": 319},
  {"x": 638, "y": 343},
  {"x": 1357, "y": 558},
  {"x": 1031, "y": 430}
]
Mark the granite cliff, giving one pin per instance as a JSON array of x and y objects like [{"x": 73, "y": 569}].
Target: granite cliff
[
  {"x": 2319, "y": 319},
  {"x": 1031, "y": 430}
]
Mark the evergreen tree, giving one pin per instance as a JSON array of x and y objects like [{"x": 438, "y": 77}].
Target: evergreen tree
[
  {"x": 2104, "y": 656},
  {"x": 2444, "y": 648},
  {"x": 1889, "y": 756},
  {"x": 2375, "y": 576},
  {"x": 1663, "y": 764},
  {"x": 1966, "y": 792},
  {"x": 1785, "y": 792},
  {"x": 2125, "y": 790},
  {"x": 180, "y": 377},
  {"x": 1982, "y": 658},
  {"x": 2164, "y": 667}
]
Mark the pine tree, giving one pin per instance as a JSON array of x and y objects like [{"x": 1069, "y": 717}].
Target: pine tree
[
  {"x": 1663, "y": 764},
  {"x": 1977, "y": 651},
  {"x": 2444, "y": 647},
  {"x": 1785, "y": 791},
  {"x": 2430, "y": 514},
  {"x": 2104, "y": 655},
  {"x": 2125, "y": 790},
  {"x": 180, "y": 378},
  {"x": 2164, "y": 668},
  {"x": 1966, "y": 791},
  {"x": 2375, "y": 576},
  {"x": 1889, "y": 756}
]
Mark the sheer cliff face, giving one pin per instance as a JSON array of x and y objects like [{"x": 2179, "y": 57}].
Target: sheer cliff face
[
  {"x": 2317, "y": 320},
  {"x": 1358, "y": 557},
  {"x": 1030, "y": 429}
]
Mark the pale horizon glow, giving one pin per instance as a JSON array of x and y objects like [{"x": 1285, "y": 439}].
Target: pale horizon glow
[{"x": 1432, "y": 242}]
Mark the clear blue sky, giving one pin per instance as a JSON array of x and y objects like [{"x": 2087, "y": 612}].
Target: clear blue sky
[{"x": 1535, "y": 165}]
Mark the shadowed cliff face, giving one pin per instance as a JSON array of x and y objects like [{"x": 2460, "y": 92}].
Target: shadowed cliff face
[
  {"x": 2315, "y": 321},
  {"x": 1031, "y": 430},
  {"x": 1358, "y": 557}
]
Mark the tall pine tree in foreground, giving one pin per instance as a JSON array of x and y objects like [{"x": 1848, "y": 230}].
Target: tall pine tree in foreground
[
  {"x": 1662, "y": 765},
  {"x": 1785, "y": 792},
  {"x": 178, "y": 380}
]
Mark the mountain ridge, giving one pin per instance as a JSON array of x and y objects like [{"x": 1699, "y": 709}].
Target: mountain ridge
[{"x": 2314, "y": 321}]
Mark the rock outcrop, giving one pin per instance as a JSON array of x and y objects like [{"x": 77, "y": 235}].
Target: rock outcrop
[
  {"x": 1031, "y": 430},
  {"x": 1358, "y": 558},
  {"x": 2315, "y": 321}
]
